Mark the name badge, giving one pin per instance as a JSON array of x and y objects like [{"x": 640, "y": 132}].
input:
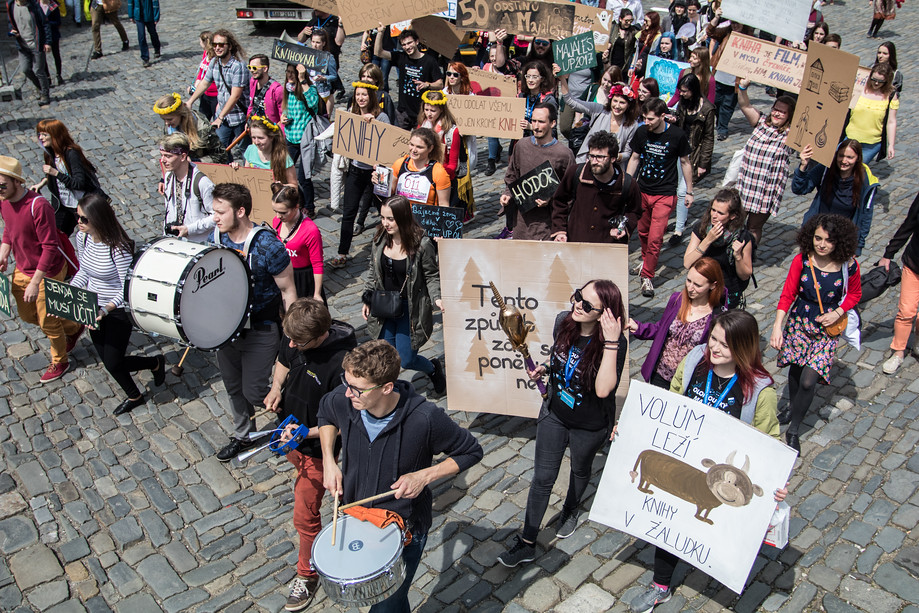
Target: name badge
[{"x": 567, "y": 397}]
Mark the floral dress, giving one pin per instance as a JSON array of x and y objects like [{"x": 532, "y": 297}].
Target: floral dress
[{"x": 763, "y": 169}]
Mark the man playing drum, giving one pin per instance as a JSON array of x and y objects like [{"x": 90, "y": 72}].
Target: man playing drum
[
  {"x": 308, "y": 367},
  {"x": 389, "y": 437}
]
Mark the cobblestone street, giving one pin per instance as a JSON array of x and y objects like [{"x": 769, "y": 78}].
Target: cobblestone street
[{"x": 135, "y": 514}]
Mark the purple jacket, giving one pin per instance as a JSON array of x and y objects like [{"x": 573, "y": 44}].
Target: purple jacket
[
  {"x": 273, "y": 98},
  {"x": 658, "y": 331}
]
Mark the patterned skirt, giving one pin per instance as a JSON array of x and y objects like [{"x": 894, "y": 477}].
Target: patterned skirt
[{"x": 805, "y": 343}]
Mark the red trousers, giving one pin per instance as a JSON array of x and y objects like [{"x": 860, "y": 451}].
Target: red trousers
[
  {"x": 655, "y": 211},
  {"x": 308, "y": 493}
]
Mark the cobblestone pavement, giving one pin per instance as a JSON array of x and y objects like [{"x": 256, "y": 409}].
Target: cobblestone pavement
[{"x": 134, "y": 513}]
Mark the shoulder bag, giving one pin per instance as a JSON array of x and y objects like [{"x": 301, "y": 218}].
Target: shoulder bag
[{"x": 837, "y": 327}]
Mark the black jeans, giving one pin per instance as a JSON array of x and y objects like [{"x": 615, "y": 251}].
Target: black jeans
[
  {"x": 664, "y": 563},
  {"x": 552, "y": 437},
  {"x": 111, "y": 339},
  {"x": 357, "y": 182}
]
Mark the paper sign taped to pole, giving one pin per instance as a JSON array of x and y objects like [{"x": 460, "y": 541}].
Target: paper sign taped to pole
[
  {"x": 692, "y": 480},
  {"x": 258, "y": 180},
  {"x": 484, "y": 372},
  {"x": 787, "y": 20},
  {"x": 488, "y": 116},
  {"x": 371, "y": 142}
]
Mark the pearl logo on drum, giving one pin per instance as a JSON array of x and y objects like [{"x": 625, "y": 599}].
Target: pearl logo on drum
[
  {"x": 356, "y": 545},
  {"x": 203, "y": 277}
]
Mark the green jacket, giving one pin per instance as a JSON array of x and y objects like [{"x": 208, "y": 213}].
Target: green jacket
[{"x": 422, "y": 289}]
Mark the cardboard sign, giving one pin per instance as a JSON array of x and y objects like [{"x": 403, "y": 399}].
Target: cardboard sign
[
  {"x": 440, "y": 221},
  {"x": 69, "y": 302},
  {"x": 484, "y": 373},
  {"x": 788, "y": 19},
  {"x": 297, "y": 53},
  {"x": 861, "y": 78},
  {"x": 667, "y": 73},
  {"x": 763, "y": 62},
  {"x": 326, "y": 6},
  {"x": 538, "y": 184},
  {"x": 596, "y": 20},
  {"x": 523, "y": 17},
  {"x": 450, "y": 13},
  {"x": 829, "y": 78},
  {"x": 488, "y": 116},
  {"x": 575, "y": 53},
  {"x": 438, "y": 35},
  {"x": 360, "y": 15},
  {"x": 372, "y": 142},
  {"x": 5, "y": 307},
  {"x": 258, "y": 180},
  {"x": 494, "y": 83},
  {"x": 655, "y": 487}
]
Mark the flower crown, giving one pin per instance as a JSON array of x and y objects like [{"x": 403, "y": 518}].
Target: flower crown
[
  {"x": 169, "y": 109},
  {"x": 622, "y": 90},
  {"x": 428, "y": 100},
  {"x": 364, "y": 85},
  {"x": 265, "y": 122}
]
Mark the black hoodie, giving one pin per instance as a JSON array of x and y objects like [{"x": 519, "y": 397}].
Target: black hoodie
[
  {"x": 418, "y": 431},
  {"x": 313, "y": 374}
]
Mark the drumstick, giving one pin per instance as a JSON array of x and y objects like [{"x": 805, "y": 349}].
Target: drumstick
[
  {"x": 335, "y": 519},
  {"x": 177, "y": 370},
  {"x": 370, "y": 499},
  {"x": 260, "y": 413},
  {"x": 238, "y": 138}
]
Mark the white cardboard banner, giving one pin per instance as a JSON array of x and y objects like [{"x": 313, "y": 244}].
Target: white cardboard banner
[{"x": 787, "y": 19}]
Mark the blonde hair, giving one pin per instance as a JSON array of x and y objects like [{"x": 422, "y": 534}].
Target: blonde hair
[{"x": 186, "y": 119}]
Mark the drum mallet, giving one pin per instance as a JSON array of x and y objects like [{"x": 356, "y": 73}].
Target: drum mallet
[
  {"x": 260, "y": 413},
  {"x": 178, "y": 369},
  {"x": 335, "y": 519},
  {"x": 238, "y": 138},
  {"x": 364, "y": 500}
]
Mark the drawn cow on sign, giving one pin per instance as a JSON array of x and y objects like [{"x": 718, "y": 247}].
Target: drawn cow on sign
[{"x": 722, "y": 484}]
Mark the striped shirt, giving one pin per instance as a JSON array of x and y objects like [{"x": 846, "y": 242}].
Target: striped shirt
[{"x": 102, "y": 270}]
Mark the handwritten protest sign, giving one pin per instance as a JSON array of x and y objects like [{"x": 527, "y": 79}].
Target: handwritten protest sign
[
  {"x": 789, "y": 21},
  {"x": 692, "y": 480},
  {"x": 538, "y": 184},
  {"x": 442, "y": 221},
  {"x": 5, "y": 307},
  {"x": 829, "y": 77},
  {"x": 296, "y": 53},
  {"x": 763, "y": 62},
  {"x": 524, "y": 17},
  {"x": 484, "y": 373},
  {"x": 450, "y": 13},
  {"x": 326, "y": 6},
  {"x": 360, "y": 15},
  {"x": 258, "y": 181},
  {"x": 861, "y": 78},
  {"x": 69, "y": 302},
  {"x": 488, "y": 116},
  {"x": 575, "y": 53},
  {"x": 438, "y": 35},
  {"x": 372, "y": 142},
  {"x": 667, "y": 73},
  {"x": 494, "y": 83},
  {"x": 591, "y": 19}
]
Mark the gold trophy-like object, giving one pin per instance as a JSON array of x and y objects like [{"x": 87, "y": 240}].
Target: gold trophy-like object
[{"x": 516, "y": 329}]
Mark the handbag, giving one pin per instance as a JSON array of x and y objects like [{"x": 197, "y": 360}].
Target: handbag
[
  {"x": 836, "y": 328},
  {"x": 110, "y": 6},
  {"x": 387, "y": 303}
]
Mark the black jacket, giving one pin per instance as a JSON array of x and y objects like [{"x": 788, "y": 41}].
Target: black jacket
[
  {"x": 42, "y": 28},
  {"x": 418, "y": 431},
  {"x": 313, "y": 374},
  {"x": 908, "y": 231},
  {"x": 76, "y": 178}
]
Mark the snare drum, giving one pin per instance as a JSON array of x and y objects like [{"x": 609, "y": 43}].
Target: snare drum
[
  {"x": 364, "y": 567},
  {"x": 198, "y": 294}
]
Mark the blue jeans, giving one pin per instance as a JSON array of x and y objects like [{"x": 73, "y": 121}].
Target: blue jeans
[
  {"x": 227, "y": 134},
  {"x": 149, "y": 26},
  {"x": 494, "y": 148},
  {"x": 725, "y": 102},
  {"x": 411, "y": 555},
  {"x": 398, "y": 333},
  {"x": 869, "y": 152}
]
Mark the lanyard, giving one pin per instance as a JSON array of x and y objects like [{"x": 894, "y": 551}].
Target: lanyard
[
  {"x": 708, "y": 387},
  {"x": 531, "y": 107},
  {"x": 572, "y": 364}
]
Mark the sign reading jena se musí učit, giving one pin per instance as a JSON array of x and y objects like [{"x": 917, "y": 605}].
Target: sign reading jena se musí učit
[{"x": 69, "y": 302}]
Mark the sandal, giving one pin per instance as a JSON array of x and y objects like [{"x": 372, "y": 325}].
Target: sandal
[{"x": 338, "y": 262}]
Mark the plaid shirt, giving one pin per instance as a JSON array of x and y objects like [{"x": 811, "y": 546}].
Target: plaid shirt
[
  {"x": 300, "y": 114},
  {"x": 226, "y": 77},
  {"x": 763, "y": 169}
]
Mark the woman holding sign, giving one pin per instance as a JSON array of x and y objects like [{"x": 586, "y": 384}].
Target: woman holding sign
[
  {"x": 269, "y": 152},
  {"x": 299, "y": 107},
  {"x": 105, "y": 253},
  {"x": 726, "y": 373},
  {"x": 584, "y": 368},
  {"x": 458, "y": 84},
  {"x": 436, "y": 116},
  {"x": 420, "y": 176}
]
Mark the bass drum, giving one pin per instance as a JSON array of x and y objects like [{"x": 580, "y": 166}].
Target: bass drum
[{"x": 198, "y": 294}]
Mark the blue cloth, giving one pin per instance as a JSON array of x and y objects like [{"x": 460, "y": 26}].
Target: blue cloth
[
  {"x": 375, "y": 426},
  {"x": 144, "y": 10},
  {"x": 267, "y": 259}
]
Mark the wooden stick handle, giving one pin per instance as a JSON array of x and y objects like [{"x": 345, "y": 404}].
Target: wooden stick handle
[
  {"x": 370, "y": 499},
  {"x": 184, "y": 355},
  {"x": 260, "y": 413},
  {"x": 335, "y": 520},
  {"x": 238, "y": 138}
]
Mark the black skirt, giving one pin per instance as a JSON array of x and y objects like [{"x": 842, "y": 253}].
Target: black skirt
[{"x": 306, "y": 283}]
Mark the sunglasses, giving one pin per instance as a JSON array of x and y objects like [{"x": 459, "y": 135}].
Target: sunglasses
[
  {"x": 585, "y": 306},
  {"x": 452, "y": 74},
  {"x": 356, "y": 391},
  {"x": 3, "y": 186},
  {"x": 253, "y": 68},
  {"x": 216, "y": 44},
  {"x": 541, "y": 42},
  {"x": 873, "y": 80},
  {"x": 83, "y": 219}
]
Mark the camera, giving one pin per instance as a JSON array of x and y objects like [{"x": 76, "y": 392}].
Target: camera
[
  {"x": 619, "y": 222},
  {"x": 172, "y": 229}
]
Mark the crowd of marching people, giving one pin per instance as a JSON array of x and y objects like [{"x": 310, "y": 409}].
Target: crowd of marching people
[{"x": 627, "y": 157}]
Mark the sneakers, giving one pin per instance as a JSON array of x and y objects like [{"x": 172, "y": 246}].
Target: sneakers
[
  {"x": 675, "y": 239},
  {"x": 892, "y": 364},
  {"x": 654, "y": 596},
  {"x": 302, "y": 591},
  {"x": 567, "y": 524},
  {"x": 73, "y": 338},
  {"x": 636, "y": 269},
  {"x": 147, "y": 64},
  {"x": 233, "y": 449},
  {"x": 722, "y": 136},
  {"x": 505, "y": 233},
  {"x": 438, "y": 380},
  {"x": 125, "y": 45},
  {"x": 647, "y": 287},
  {"x": 492, "y": 168},
  {"x": 518, "y": 554},
  {"x": 156, "y": 55},
  {"x": 54, "y": 372}
]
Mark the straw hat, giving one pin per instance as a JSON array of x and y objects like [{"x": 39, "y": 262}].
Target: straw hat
[{"x": 11, "y": 168}]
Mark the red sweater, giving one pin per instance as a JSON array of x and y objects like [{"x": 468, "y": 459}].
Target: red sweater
[
  {"x": 793, "y": 283},
  {"x": 31, "y": 232}
]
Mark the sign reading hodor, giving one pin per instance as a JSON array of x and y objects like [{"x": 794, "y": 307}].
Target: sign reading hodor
[
  {"x": 484, "y": 372},
  {"x": 488, "y": 116}
]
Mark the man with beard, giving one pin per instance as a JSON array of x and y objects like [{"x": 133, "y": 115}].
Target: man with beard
[
  {"x": 596, "y": 202},
  {"x": 529, "y": 153},
  {"x": 187, "y": 191},
  {"x": 245, "y": 363}
]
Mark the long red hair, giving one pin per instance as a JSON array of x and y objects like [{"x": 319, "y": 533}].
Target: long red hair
[
  {"x": 711, "y": 270},
  {"x": 61, "y": 141},
  {"x": 464, "y": 86}
]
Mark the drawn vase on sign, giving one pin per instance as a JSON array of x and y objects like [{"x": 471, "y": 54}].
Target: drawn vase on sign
[{"x": 820, "y": 137}]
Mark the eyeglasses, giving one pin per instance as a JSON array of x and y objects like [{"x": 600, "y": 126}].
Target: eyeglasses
[
  {"x": 216, "y": 44},
  {"x": 253, "y": 68},
  {"x": 300, "y": 345},
  {"x": 452, "y": 74},
  {"x": 83, "y": 219},
  {"x": 585, "y": 306},
  {"x": 597, "y": 158},
  {"x": 356, "y": 391}
]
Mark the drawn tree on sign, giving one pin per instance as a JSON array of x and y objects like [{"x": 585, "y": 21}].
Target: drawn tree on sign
[{"x": 469, "y": 293}]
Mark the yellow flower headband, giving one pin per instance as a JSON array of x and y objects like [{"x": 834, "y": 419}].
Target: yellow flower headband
[
  {"x": 357, "y": 84},
  {"x": 265, "y": 122},
  {"x": 169, "y": 109},
  {"x": 428, "y": 100}
]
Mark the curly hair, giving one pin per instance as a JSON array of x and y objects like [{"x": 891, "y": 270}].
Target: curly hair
[{"x": 842, "y": 233}]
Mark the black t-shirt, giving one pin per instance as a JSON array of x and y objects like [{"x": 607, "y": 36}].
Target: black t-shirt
[
  {"x": 423, "y": 69},
  {"x": 732, "y": 402},
  {"x": 660, "y": 159}
]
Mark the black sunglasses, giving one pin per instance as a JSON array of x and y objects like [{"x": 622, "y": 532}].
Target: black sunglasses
[
  {"x": 83, "y": 219},
  {"x": 585, "y": 306},
  {"x": 452, "y": 74}
]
